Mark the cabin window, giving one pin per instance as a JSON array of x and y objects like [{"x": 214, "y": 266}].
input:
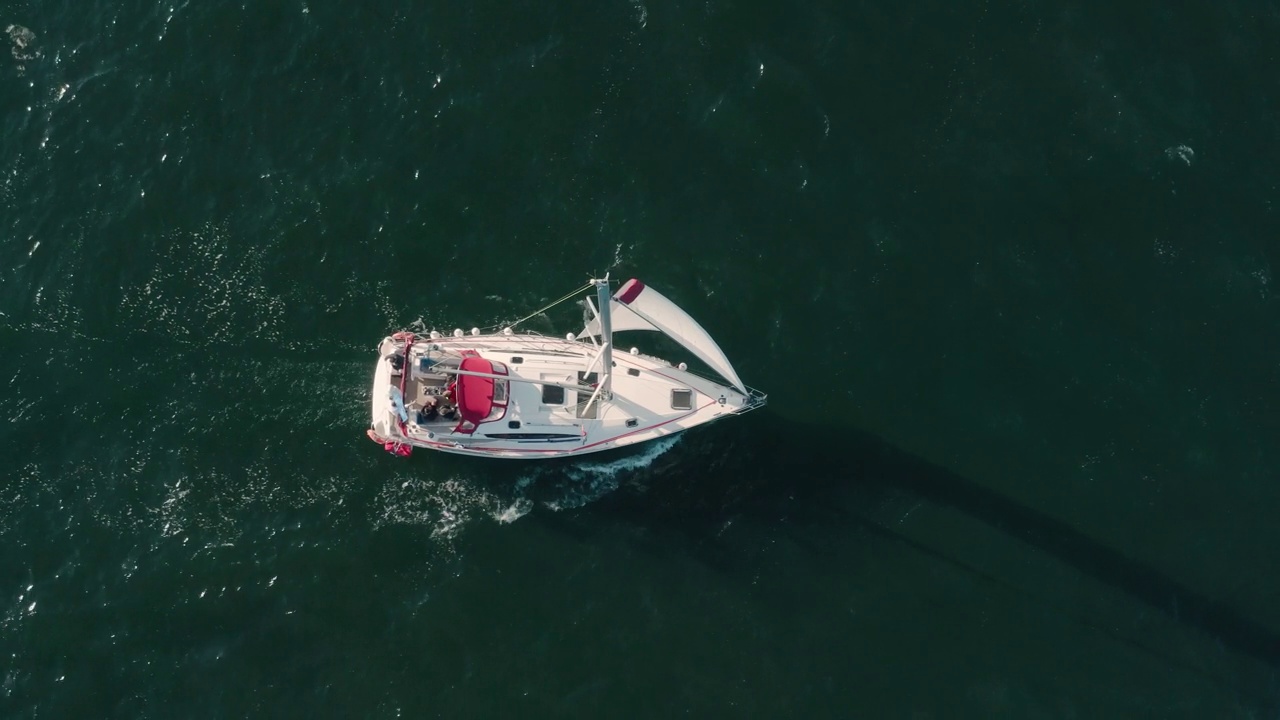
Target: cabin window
[
  {"x": 633, "y": 372},
  {"x": 632, "y": 422},
  {"x": 517, "y": 360},
  {"x": 681, "y": 399},
  {"x": 552, "y": 395},
  {"x": 513, "y": 424},
  {"x": 588, "y": 378}
]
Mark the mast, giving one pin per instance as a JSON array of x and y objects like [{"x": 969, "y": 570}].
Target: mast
[{"x": 606, "y": 336}]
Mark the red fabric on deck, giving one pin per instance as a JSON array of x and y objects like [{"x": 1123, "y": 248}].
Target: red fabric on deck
[{"x": 475, "y": 394}]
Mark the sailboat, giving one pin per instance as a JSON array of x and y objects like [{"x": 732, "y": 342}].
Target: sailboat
[{"x": 522, "y": 395}]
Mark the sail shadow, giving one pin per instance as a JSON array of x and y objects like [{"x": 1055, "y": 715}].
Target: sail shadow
[{"x": 764, "y": 463}]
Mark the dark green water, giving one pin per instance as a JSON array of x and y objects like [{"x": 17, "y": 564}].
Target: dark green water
[{"x": 1005, "y": 270}]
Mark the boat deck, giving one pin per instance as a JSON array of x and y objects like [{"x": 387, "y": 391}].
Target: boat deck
[{"x": 650, "y": 399}]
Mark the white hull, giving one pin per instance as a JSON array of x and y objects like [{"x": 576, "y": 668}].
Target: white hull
[{"x": 650, "y": 398}]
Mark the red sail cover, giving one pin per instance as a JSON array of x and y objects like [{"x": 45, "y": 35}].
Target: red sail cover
[{"x": 475, "y": 394}]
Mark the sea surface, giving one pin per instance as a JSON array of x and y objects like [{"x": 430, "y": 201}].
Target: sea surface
[{"x": 1005, "y": 268}]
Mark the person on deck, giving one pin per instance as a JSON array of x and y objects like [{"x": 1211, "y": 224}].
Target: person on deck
[{"x": 430, "y": 410}]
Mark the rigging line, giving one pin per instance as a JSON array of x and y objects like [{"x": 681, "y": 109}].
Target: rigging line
[{"x": 557, "y": 302}]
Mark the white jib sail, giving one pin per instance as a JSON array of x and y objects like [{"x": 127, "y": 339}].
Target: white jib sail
[
  {"x": 622, "y": 318},
  {"x": 659, "y": 313}
]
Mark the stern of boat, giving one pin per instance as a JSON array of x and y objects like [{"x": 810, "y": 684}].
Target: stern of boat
[{"x": 382, "y": 427}]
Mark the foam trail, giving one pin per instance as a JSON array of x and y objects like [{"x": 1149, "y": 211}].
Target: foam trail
[
  {"x": 594, "y": 480},
  {"x": 631, "y": 462},
  {"x": 448, "y": 505},
  {"x": 566, "y": 488},
  {"x": 520, "y": 506},
  {"x": 514, "y": 512}
]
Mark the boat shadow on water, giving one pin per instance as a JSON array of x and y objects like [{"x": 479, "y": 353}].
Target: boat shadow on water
[{"x": 836, "y": 478}]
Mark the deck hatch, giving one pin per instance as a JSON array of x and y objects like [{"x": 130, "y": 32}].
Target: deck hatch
[{"x": 552, "y": 395}]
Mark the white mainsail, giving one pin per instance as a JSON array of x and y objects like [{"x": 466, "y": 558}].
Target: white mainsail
[{"x": 642, "y": 308}]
